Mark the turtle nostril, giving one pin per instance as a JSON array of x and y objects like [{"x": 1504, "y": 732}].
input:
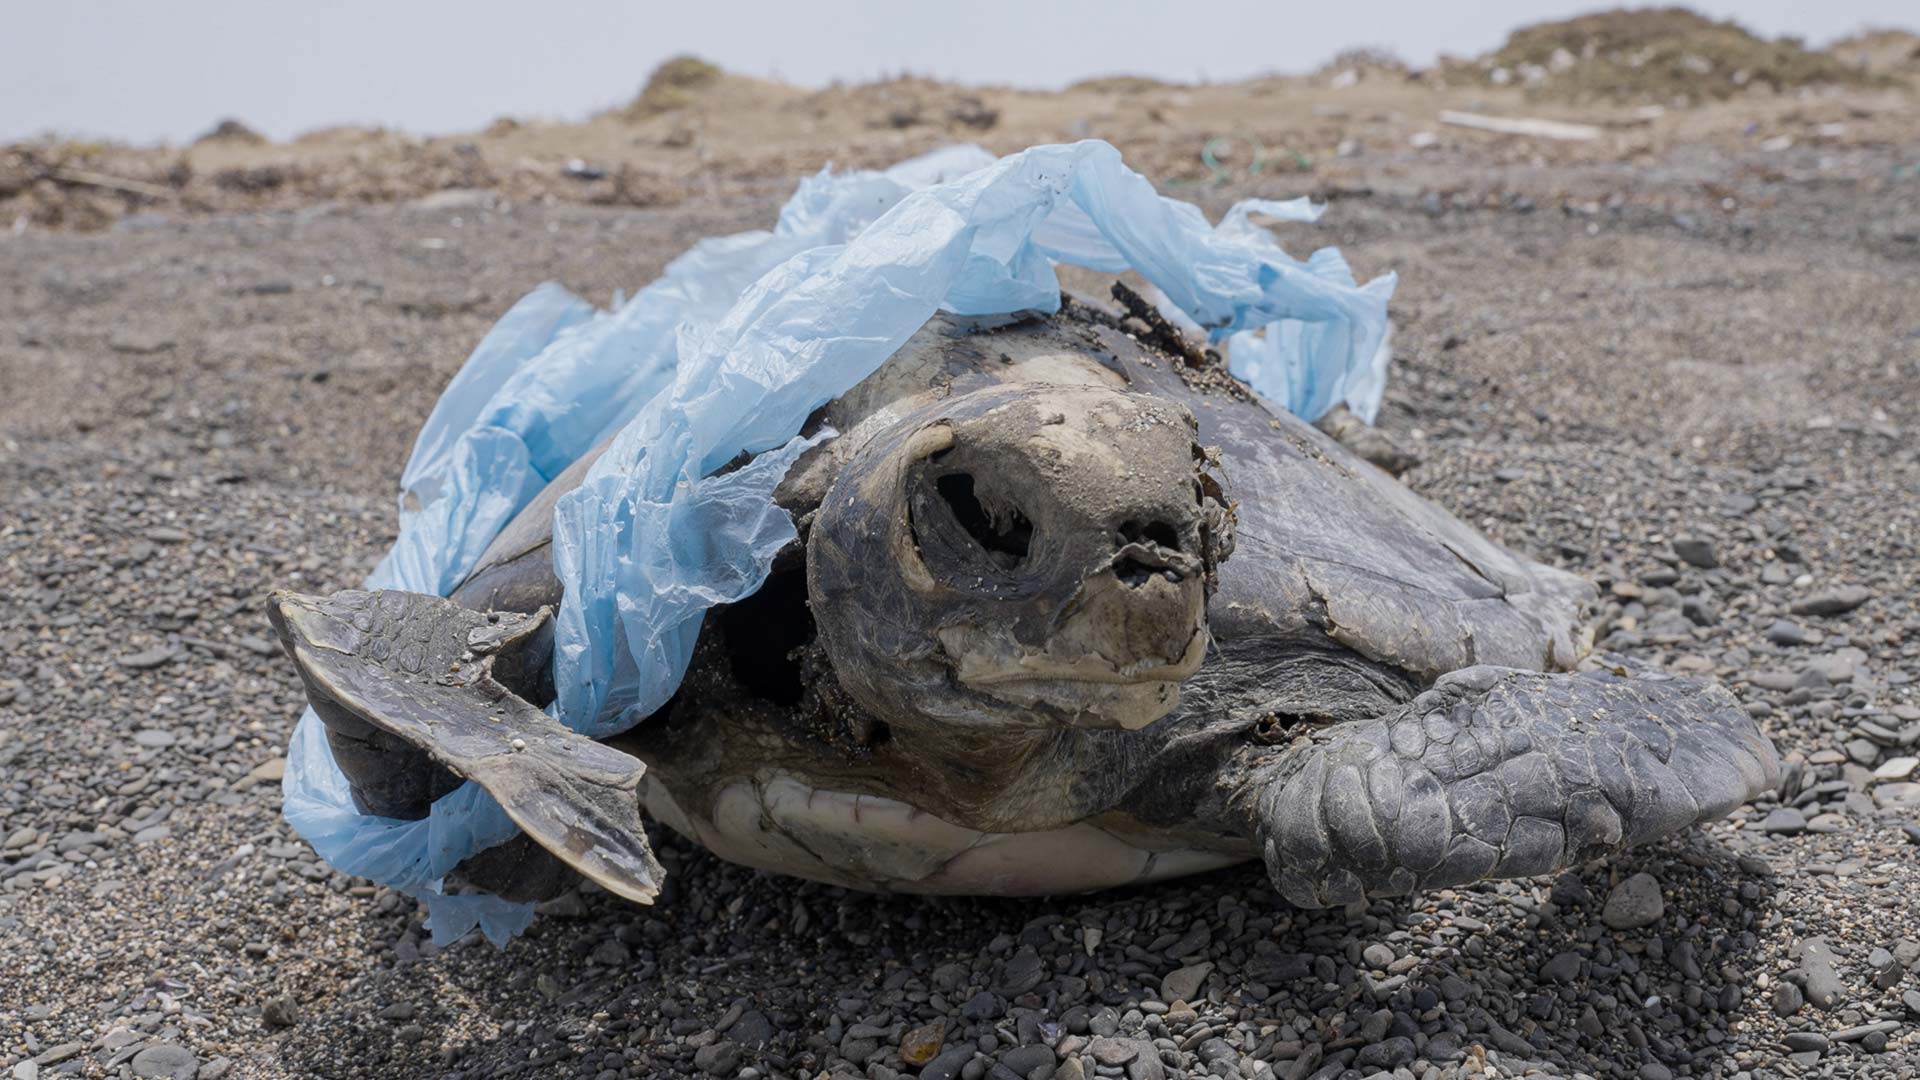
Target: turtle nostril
[
  {"x": 1135, "y": 572},
  {"x": 1153, "y": 532},
  {"x": 1148, "y": 550}
]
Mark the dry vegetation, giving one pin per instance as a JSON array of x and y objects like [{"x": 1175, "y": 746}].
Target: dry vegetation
[{"x": 1660, "y": 55}]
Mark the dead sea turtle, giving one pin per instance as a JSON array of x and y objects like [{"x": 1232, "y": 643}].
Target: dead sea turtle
[{"x": 1068, "y": 611}]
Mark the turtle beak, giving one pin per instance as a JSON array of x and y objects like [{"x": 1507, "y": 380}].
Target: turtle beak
[{"x": 1500, "y": 773}]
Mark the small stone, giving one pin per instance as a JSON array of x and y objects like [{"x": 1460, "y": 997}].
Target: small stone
[
  {"x": 54, "y": 1055},
  {"x": 1386, "y": 1054},
  {"x": 717, "y": 1059},
  {"x": 1784, "y": 821},
  {"x": 1783, "y": 632},
  {"x": 1023, "y": 971},
  {"x": 1378, "y": 956},
  {"x": 1023, "y": 1060},
  {"x": 1633, "y": 903},
  {"x": 1445, "y": 1048},
  {"x": 1589, "y": 1023},
  {"x": 166, "y": 1060},
  {"x": 137, "y": 344},
  {"x": 1855, "y": 1034},
  {"x": 1109, "y": 1051},
  {"x": 1817, "y": 974},
  {"x": 280, "y": 1012},
  {"x": 1696, "y": 551},
  {"x": 948, "y": 1065},
  {"x": 147, "y": 658},
  {"x": 1787, "y": 999},
  {"x": 1832, "y": 601},
  {"x": 1653, "y": 1070},
  {"x": 1660, "y": 577},
  {"x": 1911, "y": 999},
  {"x": 752, "y": 1029},
  {"x": 153, "y": 738},
  {"x": 922, "y": 1044},
  {"x": 1801, "y": 1042},
  {"x": 983, "y": 1006},
  {"x": 1146, "y": 1063},
  {"x": 1899, "y": 793},
  {"x": 1183, "y": 983},
  {"x": 1564, "y": 967},
  {"x": 1896, "y": 768},
  {"x": 611, "y": 953}
]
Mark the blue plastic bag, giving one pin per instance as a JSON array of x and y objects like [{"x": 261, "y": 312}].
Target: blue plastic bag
[{"x": 741, "y": 339}]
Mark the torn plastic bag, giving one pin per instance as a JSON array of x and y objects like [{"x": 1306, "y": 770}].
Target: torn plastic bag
[
  {"x": 657, "y": 534},
  {"x": 551, "y": 380}
]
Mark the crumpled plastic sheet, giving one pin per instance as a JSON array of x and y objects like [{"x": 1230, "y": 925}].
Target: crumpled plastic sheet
[{"x": 728, "y": 353}]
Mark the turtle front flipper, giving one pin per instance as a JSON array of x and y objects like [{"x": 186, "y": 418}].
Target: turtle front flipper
[
  {"x": 1499, "y": 773},
  {"x": 439, "y": 677}
]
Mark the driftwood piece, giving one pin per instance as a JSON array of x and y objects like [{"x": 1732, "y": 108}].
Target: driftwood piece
[{"x": 1522, "y": 125}]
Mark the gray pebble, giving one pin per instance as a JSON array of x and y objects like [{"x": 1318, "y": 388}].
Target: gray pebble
[
  {"x": 1832, "y": 601},
  {"x": 1387, "y": 1054},
  {"x": 985, "y": 1005},
  {"x": 1564, "y": 967},
  {"x": 168, "y": 1060},
  {"x": 1184, "y": 983},
  {"x": 1696, "y": 551},
  {"x": 1111, "y": 1051},
  {"x": 1862, "y": 1031},
  {"x": 1804, "y": 1041},
  {"x": 280, "y": 1012},
  {"x": 1024, "y": 1059},
  {"x": 1787, "y": 999},
  {"x": 147, "y": 658},
  {"x": 1633, "y": 903},
  {"x": 1817, "y": 975},
  {"x": 948, "y": 1064},
  {"x": 1784, "y": 821},
  {"x": 717, "y": 1059},
  {"x": 1783, "y": 632}
]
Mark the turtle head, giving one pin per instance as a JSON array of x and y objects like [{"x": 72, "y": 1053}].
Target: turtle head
[{"x": 1021, "y": 555}]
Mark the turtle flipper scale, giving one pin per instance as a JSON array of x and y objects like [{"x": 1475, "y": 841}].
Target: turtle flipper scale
[
  {"x": 1499, "y": 773},
  {"x": 423, "y": 671}
]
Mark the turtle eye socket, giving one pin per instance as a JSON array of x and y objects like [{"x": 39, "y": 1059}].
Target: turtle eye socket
[
  {"x": 968, "y": 536},
  {"x": 1006, "y": 537}
]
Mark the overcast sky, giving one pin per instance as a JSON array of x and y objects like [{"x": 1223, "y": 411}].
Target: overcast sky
[{"x": 146, "y": 71}]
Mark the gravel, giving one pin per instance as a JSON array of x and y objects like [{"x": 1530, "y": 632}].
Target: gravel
[{"x": 1589, "y": 386}]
